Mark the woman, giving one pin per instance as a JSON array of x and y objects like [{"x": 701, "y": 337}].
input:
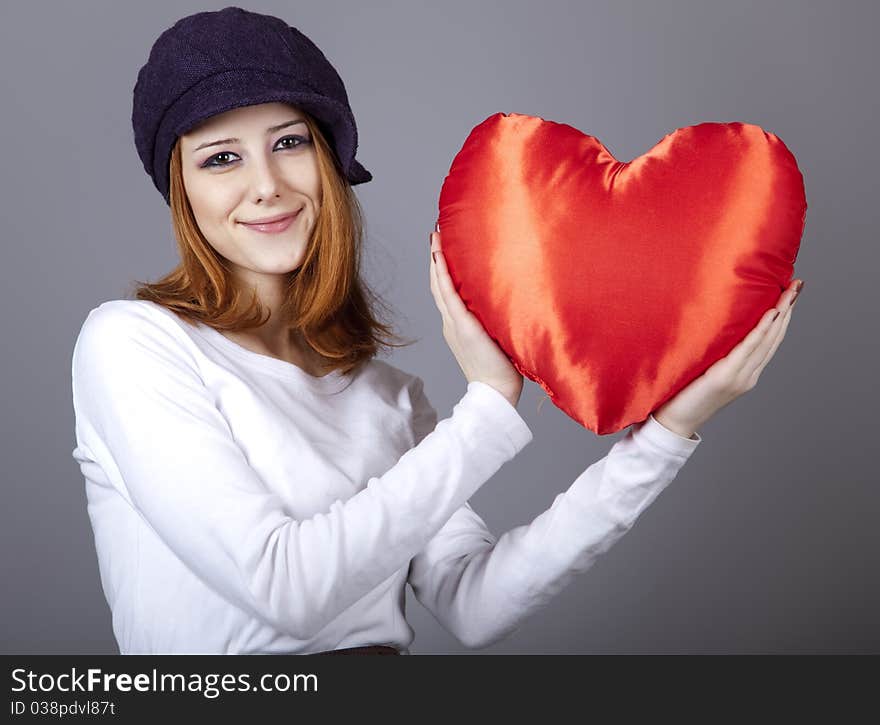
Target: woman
[{"x": 257, "y": 481}]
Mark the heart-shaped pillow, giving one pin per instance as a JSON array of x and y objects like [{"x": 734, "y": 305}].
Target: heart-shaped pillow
[{"x": 614, "y": 284}]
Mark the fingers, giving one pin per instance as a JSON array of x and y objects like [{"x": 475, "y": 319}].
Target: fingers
[
  {"x": 780, "y": 334},
  {"x": 754, "y": 347},
  {"x": 787, "y": 298},
  {"x": 449, "y": 294},
  {"x": 435, "y": 284},
  {"x": 759, "y": 362},
  {"x": 743, "y": 352}
]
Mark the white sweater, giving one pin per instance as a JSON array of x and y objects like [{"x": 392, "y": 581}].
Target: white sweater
[{"x": 241, "y": 505}]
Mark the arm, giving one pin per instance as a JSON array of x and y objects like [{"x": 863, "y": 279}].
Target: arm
[
  {"x": 145, "y": 416},
  {"x": 482, "y": 589}
]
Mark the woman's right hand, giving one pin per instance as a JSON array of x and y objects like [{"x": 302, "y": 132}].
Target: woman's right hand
[{"x": 478, "y": 355}]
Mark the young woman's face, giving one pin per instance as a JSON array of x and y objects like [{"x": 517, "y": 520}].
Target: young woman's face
[{"x": 241, "y": 167}]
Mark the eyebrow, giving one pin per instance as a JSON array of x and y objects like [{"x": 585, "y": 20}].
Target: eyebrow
[{"x": 271, "y": 129}]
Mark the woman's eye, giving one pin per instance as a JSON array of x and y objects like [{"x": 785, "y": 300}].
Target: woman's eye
[
  {"x": 301, "y": 140},
  {"x": 215, "y": 157},
  {"x": 215, "y": 161}
]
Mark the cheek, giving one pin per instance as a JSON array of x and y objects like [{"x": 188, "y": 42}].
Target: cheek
[
  {"x": 305, "y": 175},
  {"x": 211, "y": 202}
]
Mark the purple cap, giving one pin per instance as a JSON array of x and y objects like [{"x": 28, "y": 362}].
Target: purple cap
[{"x": 211, "y": 62}]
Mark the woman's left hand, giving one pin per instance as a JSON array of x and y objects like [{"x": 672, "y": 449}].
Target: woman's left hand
[{"x": 732, "y": 375}]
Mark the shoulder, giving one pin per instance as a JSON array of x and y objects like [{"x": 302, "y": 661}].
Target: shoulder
[
  {"x": 134, "y": 314},
  {"x": 122, "y": 329},
  {"x": 393, "y": 383},
  {"x": 390, "y": 375},
  {"x": 404, "y": 392}
]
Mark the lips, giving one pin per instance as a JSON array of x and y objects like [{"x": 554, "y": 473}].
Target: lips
[
  {"x": 272, "y": 219},
  {"x": 272, "y": 224}
]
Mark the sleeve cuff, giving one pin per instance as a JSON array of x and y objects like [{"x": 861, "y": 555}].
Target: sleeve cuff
[
  {"x": 501, "y": 411},
  {"x": 658, "y": 436}
]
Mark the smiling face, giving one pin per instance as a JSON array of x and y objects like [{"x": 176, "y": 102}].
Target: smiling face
[{"x": 248, "y": 164}]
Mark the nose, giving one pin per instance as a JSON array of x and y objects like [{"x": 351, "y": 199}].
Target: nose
[{"x": 264, "y": 178}]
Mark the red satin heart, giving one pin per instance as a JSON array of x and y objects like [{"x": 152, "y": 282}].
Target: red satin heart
[{"x": 610, "y": 284}]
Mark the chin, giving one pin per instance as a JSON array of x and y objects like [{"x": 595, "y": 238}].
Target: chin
[{"x": 285, "y": 266}]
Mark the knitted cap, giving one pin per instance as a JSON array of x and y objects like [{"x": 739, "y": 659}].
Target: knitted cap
[{"x": 211, "y": 62}]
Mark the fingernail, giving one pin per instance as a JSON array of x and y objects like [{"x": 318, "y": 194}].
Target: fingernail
[{"x": 437, "y": 227}]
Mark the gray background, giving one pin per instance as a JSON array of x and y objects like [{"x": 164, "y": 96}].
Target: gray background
[{"x": 766, "y": 541}]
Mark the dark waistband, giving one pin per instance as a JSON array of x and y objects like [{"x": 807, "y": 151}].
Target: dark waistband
[{"x": 372, "y": 649}]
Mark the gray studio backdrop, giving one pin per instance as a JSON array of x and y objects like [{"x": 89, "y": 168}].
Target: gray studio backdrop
[{"x": 766, "y": 541}]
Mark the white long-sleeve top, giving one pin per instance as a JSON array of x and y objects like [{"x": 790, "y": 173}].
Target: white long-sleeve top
[{"x": 241, "y": 505}]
